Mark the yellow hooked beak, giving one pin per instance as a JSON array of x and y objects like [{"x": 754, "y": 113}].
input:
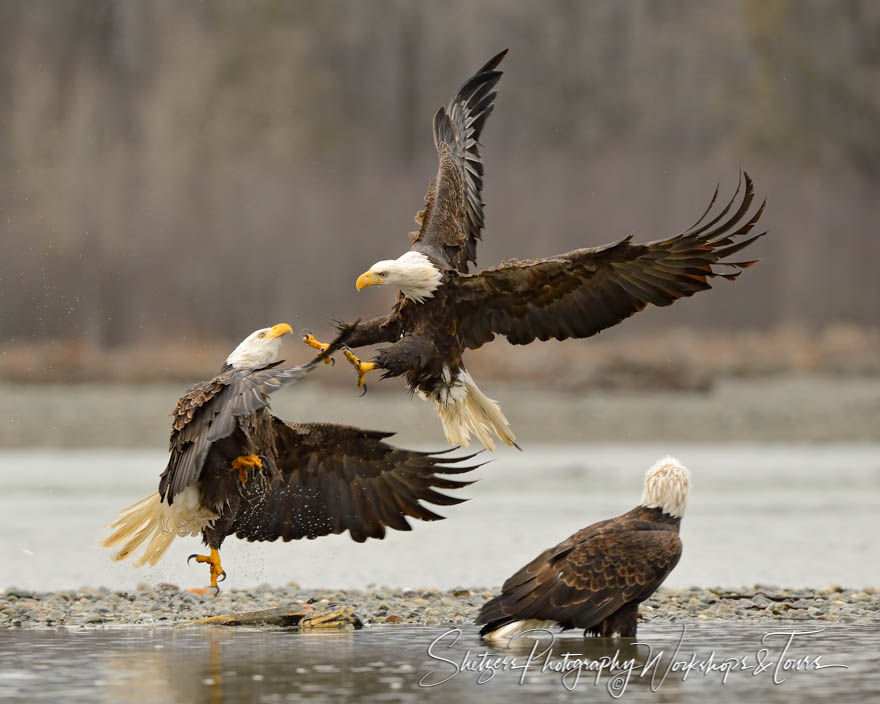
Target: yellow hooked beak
[
  {"x": 368, "y": 278},
  {"x": 279, "y": 330}
]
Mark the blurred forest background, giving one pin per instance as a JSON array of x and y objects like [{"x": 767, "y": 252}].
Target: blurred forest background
[{"x": 174, "y": 175}]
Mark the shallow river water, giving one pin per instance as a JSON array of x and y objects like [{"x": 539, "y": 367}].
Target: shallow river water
[
  {"x": 789, "y": 515},
  {"x": 786, "y": 515},
  {"x": 394, "y": 664}
]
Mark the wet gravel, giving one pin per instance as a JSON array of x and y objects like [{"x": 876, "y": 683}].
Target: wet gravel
[{"x": 168, "y": 605}]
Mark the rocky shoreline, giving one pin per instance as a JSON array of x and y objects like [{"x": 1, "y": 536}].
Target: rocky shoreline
[{"x": 167, "y": 605}]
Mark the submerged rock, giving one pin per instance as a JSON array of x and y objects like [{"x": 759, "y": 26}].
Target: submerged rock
[{"x": 300, "y": 616}]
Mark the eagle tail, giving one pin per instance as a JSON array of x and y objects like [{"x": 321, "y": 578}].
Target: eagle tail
[
  {"x": 153, "y": 522},
  {"x": 508, "y": 629},
  {"x": 464, "y": 411}
]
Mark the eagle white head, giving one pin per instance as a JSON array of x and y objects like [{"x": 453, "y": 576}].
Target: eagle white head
[
  {"x": 260, "y": 348},
  {"x": 413, "y": 273},
  {"x": 666, "y": 486}
]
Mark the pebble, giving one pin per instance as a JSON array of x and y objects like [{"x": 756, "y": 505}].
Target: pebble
[
  {"x": 19, "y": 593},
  {"x": 761, "y": 601},
  {"x": 165, "y": 605}
]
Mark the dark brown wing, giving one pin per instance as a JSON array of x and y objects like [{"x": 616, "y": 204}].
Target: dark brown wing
[
  {"x": 210, "y": 411},
  {"x": 585, "y": 291},
  {"x": 452, "y": 220},
  {"x": 338, "y": 478},
  {"x": 191, "y": 418},
  {"x": 240, "y": 393},
  {"x": 586, "y": 578}
]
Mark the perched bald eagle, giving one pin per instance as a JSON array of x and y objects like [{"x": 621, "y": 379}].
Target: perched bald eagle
[
  {"x": 442, "y": 310},
  {"x": 596, "y": 579},
  {"x": 235, "y": 469}
]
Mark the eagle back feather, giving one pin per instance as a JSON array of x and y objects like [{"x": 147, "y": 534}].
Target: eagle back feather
[{"x": 591, "y": 575}]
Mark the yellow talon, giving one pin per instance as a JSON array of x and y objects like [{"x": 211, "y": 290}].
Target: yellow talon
[
  {"x": 362, "y": 367},
  {"x": 244, "y": 463},
  {"x": 312, "y": 342},
  {"x": 217, "y": 570}
]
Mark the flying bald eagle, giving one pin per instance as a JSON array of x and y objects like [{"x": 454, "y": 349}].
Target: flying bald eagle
[
  {"x": 596, "y": 579},
  {"x": 237, "y": 469},
  {"x": 442, "y": 310}
]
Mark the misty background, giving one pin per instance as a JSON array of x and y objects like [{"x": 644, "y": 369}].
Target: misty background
[{"x": 183, "y": 171}]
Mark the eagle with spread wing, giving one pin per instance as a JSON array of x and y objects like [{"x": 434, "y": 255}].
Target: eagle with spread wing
[
  {"x": 596, "y": 579},
  {"x": 443, "y": 310},
  {"x": 236, "y": 469}
]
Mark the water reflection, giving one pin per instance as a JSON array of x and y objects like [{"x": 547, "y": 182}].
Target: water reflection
[{"x": 211, "y": 664}]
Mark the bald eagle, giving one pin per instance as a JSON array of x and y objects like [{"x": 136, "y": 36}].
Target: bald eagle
[
  {"x": 596, "y": 579},
  {"x": 235, "y": 469},
  {"x": 442, "y": 310}
]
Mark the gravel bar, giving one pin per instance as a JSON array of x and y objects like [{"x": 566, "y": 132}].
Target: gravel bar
[{"x": 167, "y": 605}]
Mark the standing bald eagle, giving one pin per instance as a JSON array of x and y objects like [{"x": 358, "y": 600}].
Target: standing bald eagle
[
  {"x": 237, "y": 469},
  {"x": 596, "y": 579},
  {"x": 442, "y": 310}
]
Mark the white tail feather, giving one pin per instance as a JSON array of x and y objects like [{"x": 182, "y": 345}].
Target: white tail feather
[
  {"x": 517, "y": 627},
  {"x": 464, "y": 410},
  {"x": 155, "y": 523}
]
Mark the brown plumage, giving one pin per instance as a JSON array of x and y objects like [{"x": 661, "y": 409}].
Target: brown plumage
[
  {"x": 235, "y": 469},
  {"x": 452, "y": 219},
  {"x": 443, "y": 310},
  {"x": 583, "y": 292},
  {"x": 335, "y": 478},
  {"x": 596, "y": 579},
  {"x": 225, "y": 410}
]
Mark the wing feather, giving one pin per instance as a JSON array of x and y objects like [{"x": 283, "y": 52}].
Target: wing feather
[
  {"x": 210, "y": 411},
  {"x": 336, "y": 478},
  {"x": 588, "y": 577},
  {"x": 585, "y": 291},
  {"x": 452, "y": 221}
]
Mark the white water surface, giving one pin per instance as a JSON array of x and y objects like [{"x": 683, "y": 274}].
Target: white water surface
[{"x": 786, "y": 515}]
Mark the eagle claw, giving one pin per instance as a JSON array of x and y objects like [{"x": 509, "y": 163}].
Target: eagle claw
[
  {"x": 361, "y": 367},
  {"x": 243, "y": 463},
  {"x": 217, "y": 570},
  {"x": 312, "y": 342}
]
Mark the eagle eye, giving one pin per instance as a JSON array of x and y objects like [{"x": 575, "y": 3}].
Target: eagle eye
[
  {"x": 383, "y": 274},
  {"x": 261, "y": 335}
]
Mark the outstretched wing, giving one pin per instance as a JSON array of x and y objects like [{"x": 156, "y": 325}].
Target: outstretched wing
[
  {"x": 338, "y": 478},
  {"x": 210, "y": 411},
  {"x": 452, "y": 220},
  {"x": 586, "y": 578},
  {"x": 585, "y": 291}
]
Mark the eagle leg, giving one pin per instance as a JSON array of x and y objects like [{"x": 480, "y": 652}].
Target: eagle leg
[
  {"x": 362, "y": 368},
  {"x": 218, "y": 574},
  {"x": 245, "y": 462},
  {"x": 312, "y": 342}
]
